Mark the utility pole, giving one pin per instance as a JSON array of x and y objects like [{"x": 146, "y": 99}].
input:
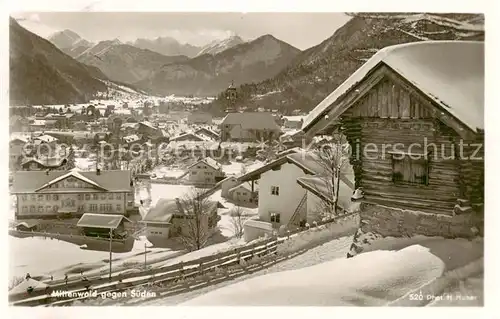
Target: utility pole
[
  {"x": 145, "y": 252},
  {"x": 110, "y": 250}
]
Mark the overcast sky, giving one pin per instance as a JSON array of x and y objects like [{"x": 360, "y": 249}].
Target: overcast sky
[{"x": 301, "y": 30}]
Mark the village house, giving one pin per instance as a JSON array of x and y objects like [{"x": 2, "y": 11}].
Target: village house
[
  {"x": 282, "y": 200},
  {"x": 208, "y": 133},
  {"x": 16, "y": 150},
  {"x": 52, "y": 194},
  {"x": 43, "y": 163},
  {"x": 205, "y": 171},
  {"x": 427, "y": 98},
  {"x": 293, "y": 122},
  {"x": 147, "y": 129},
  {"x": 102, "y": 225},
  {"x": 188, "y": 136},
  {"x": 170, "y": 218},
  {"x": 248, "y": 127},
  {"x": 244, "y": 194},
  {"x": 199, "y": 118},
  {"x": 293, "y": 138},
  {"x": 63, "y": 121}
]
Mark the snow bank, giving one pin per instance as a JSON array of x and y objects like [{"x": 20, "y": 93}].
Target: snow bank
[
  {"x": 319, "y": 235},
  {"x": 369, "y": 279}
]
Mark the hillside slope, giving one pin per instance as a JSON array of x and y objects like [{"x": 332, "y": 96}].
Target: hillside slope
[
  {"x": 41, "y": 74},
  {"x": 210, "y": 74},
  {"x": 124, "y": 62},
  {"x": 320, "y": 69}
]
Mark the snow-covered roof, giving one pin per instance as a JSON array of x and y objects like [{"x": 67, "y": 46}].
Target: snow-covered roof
[
  {"x": 46, "y": 138},
  {"x": 108, "y": 221},
  {"x": 450, "y": 73},
  {"x": 131, "y": 138},
  {"x": 209, "y": 161},
  {"x": 71, "y": 174}
]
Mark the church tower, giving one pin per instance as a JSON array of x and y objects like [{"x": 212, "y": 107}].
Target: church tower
[{"x": 231, "y": 98}]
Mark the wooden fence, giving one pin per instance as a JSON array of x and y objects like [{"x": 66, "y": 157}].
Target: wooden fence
[{"x": 165, "y": 278}]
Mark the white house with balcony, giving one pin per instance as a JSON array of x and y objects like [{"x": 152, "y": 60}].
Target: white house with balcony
[{"x": 284, "y": 200}]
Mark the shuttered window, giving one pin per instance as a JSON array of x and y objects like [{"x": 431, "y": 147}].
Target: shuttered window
[{"x": 408, "y": 169}]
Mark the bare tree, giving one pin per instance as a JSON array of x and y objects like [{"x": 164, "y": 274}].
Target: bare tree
[
  {"x": 199, "y": 220},
  {"x": 333, "y": 158},
  {"x": 238, "y": 219}
]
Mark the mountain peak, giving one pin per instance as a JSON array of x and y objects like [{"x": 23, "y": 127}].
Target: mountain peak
[{"x": 218, "y": 46}]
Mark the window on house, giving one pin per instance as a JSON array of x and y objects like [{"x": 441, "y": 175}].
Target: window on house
[
  {"x": 25, "y": 209},
  {"x": 275, "y": 190},
  {"x": 406, "y": 169},
  {"x": 101, "y": 207},
  {"x": 119, "y": 207},
  {"x": 275, "y": 218},
  {"x": 33, "y": 197},
  {"x": 24, "y": 197},
  {"x": 95, "y": 197},
  {"x": 238, "y": 193},
  {"x": 80, "y": 196},
  {"x": 103, "y": 196},
  {"x": 56, "y": 197},
  {"x": 193, "y": 173},
  {"x": 110, "y": 196},
  {"x": 40, "y": 209},
  {"x": 87, "y": 196},
  {"x": 40, "y": 198},
  {"x": 118, "y": 196},
  {"x": 32, "y": 208},
  {"x": 47, "y": 197},
  {"x": 48, "y": 208}
]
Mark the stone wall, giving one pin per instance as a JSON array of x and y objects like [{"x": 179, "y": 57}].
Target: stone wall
[{"x": 394, "y": 222}]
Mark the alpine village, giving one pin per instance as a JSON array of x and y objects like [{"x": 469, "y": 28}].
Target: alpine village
[{"x": 250, "y": 172}]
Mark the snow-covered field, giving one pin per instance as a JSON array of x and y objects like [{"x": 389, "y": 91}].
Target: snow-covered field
[
  {"x": 40, "y": 256},
  {"x": 370, "y": 279},
  {"x": 457, "y": 249}
]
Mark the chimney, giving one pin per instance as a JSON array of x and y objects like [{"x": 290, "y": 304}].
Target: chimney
[{"x": 98, "y": 171}]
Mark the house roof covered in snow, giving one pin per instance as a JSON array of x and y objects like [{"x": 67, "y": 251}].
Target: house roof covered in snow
[
  {"x": 31, "y": 181},
  {"x": 192, "y": 136},
  {"x": 108, "y": 221},
  {"x": 209, "y": 161},
  {"x": 48, "y": 162},
  {"x": 131, "y": 138},
  {"x": 165, "y": 209},
  {"x": 162, "y": 212},
  {"x": 45, "y": 138},
  {"x": 309, "y": 162},
  {"x": 252, "y": 120},
  {"x": 245, "y": 185},
  {"x": 449, "y": 73}
]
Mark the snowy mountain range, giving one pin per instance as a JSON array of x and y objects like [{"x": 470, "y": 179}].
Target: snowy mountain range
[
  {"x": 208, "y": 75},
  {"x": 166, "y": 46},
  {"x": 317, "y": 71},
  {"x": 69, "y": 42},
  {"x": 220, "y": 45},
  {"x": 124, "y": 62}
]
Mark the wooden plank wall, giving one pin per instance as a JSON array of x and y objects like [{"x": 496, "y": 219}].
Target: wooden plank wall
[{"x": 389, "y": 114}]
